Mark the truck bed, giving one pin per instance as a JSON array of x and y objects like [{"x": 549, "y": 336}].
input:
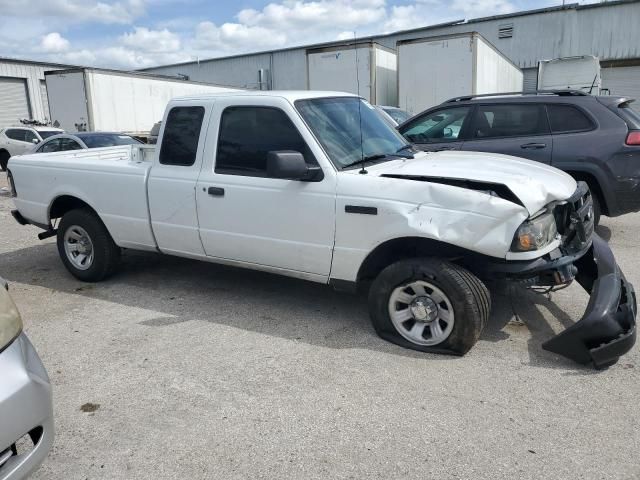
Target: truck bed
[{"x": 111, "y": 180}]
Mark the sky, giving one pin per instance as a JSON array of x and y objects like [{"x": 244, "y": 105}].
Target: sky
[{"x": 131, "y": 34}]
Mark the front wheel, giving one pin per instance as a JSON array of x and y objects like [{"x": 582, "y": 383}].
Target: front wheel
[
  {"x": 86, "y": 247},
  {"x": 429, "y": 305}
]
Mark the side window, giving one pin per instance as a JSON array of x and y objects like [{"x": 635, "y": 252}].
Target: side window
[
  {"x": 440, "y": 126},
  {"x": 50, "y": 146},
  {"x": 247, "y": 134},
  {"x": 565, "y": 119},
  {"x": 15, "y": 134},
  {"x": 29, "y": 136},
  {"x": 69, "y": 144},
  {"x": 509, "y": 120},
  {"x": 181, "y": 136}
]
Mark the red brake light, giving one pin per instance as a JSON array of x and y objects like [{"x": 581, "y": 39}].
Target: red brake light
[{"x": 633, "y": 138}]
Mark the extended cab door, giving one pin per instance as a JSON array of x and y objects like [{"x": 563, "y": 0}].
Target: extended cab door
[
  {"x": 172, "y": 179},
  {"x": 440, "y": 129},
  {"x": 248, "y": 216},
  {"x": 518, "y": 129}
]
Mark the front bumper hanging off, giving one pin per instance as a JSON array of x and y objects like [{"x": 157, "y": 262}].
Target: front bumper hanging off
[{"x": 607, "y": 330}]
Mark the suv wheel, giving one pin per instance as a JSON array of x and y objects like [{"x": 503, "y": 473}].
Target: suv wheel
[{"x": 429, "y": 305}]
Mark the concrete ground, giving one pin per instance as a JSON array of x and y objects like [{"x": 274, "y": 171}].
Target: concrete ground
[{"x": 195, "y": 370}]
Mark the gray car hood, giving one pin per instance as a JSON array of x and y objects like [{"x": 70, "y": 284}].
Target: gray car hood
[{"x": 535, "y": 184}]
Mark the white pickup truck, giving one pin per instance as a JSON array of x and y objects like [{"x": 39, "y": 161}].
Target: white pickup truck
[{"x": 316, "y": 185}]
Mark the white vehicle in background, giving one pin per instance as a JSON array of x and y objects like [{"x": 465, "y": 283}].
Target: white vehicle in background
[
  {"x": 571, "y": 73},
  {"x": 19, "y": 140},
  {"x": 318, "y": 186}
]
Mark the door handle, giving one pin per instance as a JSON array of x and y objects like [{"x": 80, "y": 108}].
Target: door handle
[
  {"x": 534, "y": 145},
  {"x": 216, "y": 191}
]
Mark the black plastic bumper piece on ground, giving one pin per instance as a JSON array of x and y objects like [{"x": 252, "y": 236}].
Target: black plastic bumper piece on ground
[{"x": 607, "y": 330}]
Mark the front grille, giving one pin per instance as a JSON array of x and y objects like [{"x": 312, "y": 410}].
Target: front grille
[{"x": 574, "y": 220}]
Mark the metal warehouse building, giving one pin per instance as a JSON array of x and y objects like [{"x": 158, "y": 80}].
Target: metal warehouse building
[
  {"x": 608, "y": 30},
  {"x": 23, "y": 93}
]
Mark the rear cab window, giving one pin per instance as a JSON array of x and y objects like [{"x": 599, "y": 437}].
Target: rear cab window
[{"x": 181, "y": 136}]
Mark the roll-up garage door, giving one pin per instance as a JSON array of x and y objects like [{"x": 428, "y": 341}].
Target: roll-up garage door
[
  {"x": 45, "y": 100},
  {"x": 623, "y": 81},
  {"x": 14, "y": 101},
  {"x": 529, "y": 79}
]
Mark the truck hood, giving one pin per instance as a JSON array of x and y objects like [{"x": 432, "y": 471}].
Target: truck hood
[{"x": 533, "y": 183}]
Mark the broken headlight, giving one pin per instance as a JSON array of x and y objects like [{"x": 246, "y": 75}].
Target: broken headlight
[
  {"x": 535, "y": 234},
  {"x": 10, "y": 321}
]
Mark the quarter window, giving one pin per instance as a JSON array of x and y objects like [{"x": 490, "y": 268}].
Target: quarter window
[
  {"x": 248, "y": 134},
  {"x": 509, "y": 120},
  {"x": 181, "y": 136},
  {"x": 565, "y": 119},
  {"x": 436, "y": 127}
]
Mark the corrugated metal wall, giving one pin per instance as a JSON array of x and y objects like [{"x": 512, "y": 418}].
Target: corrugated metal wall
[
  {"x": 607, "y": 30},
  {"x": 30, "y": 75},
  {"x": 623, "y": 81},
  {"x": 14, "y": 101}
]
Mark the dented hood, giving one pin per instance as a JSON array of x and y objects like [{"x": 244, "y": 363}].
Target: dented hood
[{"x": 535, "y": 184}]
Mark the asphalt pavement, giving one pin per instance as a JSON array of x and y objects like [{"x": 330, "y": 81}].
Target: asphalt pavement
[{"x": 178, "y": 369}]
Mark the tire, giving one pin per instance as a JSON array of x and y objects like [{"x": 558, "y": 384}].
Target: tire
[
  {"x": 4, "y": 160},
  {"x": 102, "y": 255},
  {"x": 455, "y": 293}
]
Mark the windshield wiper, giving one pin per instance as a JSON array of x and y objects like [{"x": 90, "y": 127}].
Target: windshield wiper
[{"x": 361, "y": 161}]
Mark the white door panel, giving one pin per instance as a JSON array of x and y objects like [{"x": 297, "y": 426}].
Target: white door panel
[{"x": 284, "y": 224}]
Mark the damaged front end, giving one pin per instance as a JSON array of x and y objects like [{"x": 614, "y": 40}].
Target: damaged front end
[{"x": 607, "y": 329}]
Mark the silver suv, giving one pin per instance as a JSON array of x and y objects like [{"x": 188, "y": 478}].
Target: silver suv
[{"x": 19, "y": 140}]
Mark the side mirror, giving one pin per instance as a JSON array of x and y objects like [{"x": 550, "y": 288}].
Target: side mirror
[
  {"x": 291, "y": 165},
  {"x": 448, "y": 132},
  {"x": 35, "y": 141}
]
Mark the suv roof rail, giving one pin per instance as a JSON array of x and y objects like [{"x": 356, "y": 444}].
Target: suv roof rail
[{"x": 561, "y": 93}]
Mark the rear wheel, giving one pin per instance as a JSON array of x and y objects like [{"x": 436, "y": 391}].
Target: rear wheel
[
  {"x": 4, "y": 160},
  {"x": 86, "y": 247},
  {"x": 429, "y": 305}
]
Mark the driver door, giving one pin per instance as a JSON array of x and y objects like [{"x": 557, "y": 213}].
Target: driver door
[
  {"x": 246, "y": 215},
  {"x": 438, "y": 130}
]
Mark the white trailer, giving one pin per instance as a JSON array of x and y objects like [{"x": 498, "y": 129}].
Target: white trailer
[
  {"x": 366, "y": 69},
  {"x": 434, "y": 69},
  {"x": 573, "y": 73},
  {"x": 88, "y": 99}
]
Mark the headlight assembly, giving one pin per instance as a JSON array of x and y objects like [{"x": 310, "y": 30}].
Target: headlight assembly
[
  {"x": 535, "y": 234},
  {"x": 10, "y": 321}
]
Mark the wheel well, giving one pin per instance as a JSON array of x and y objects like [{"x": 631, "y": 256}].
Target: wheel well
[
  {"x": 3, "y": 151},
  {"x": 397, "y": 249},
  {"x": 66, "y": 203},
  {"x": 594, "y": 186}
]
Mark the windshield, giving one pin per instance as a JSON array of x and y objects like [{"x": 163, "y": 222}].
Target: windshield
[
  {"x": 102, "y": 140},
  {"x": 47, "y": 133},
  {"x": 336, "y": 124}
]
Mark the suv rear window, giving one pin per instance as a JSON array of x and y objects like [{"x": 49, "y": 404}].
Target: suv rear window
[
  {"x": 509, "y": 120},
  {"x": 566, "y": 119}
]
